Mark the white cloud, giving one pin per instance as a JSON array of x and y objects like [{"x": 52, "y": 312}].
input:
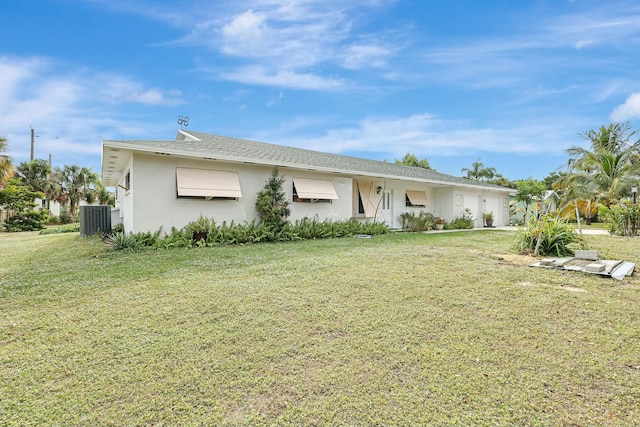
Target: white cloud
[
  {"x": 425, "y": 134},
  {"x": 630, "y": 109},
  {"x": 360, "y": 56},
  {"x": 303, "y": 38},
  {"x": 71, "y": 110},
  {"x": 282, "y": 78}
]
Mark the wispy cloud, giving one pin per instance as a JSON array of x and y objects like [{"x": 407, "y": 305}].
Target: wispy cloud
[
  {"x": 71, "y": 109},
  {"x": 425, "y": 134},
  {"x": 271, "y": 41},
  {"x": 630, "y": 109}
]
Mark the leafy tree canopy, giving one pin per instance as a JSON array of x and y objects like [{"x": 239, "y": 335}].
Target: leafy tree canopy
[
  {"x": 16, "y": 196},
  {"x": 410, "y": 159},
  {"x": 6, "y": 166}
]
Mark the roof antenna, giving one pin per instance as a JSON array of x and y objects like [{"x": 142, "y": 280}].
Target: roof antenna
[{"x": 183, "y": 121}]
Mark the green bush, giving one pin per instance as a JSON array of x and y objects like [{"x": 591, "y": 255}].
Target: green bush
[
  {"x": 423, "y": 221},
  {"x": 551, "y": 235},
  {"x": 53, "y": 219},
  {"x": 623, "y": 220},
  {"x": 463, "y": 222},
  {"x": 272, "y": 204},
  {"x": 244, "y": 233},
  {"x": 27, "y": 221},
  {"x": 67, "y": 218},
  {"x": 67, "y": 228}
]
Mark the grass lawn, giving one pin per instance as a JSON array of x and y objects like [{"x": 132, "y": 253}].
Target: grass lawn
[{"x": 404, "y": 329}]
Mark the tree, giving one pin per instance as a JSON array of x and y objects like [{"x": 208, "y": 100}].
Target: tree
[
  {"x": 77, "y": 183},
  {"x": 103, "y": 195},
  {"x": 410, "y": 159},
  {"x": 16, "y": 196},
  {"x": 35, "y": 174},
  {"x": 529, "y": 190},
  {"x": 606, "y": 171},
  {"x": 478, "y": 172},
  {"x": 6, "y": 166},
  {"x": 272, "y": 204}
]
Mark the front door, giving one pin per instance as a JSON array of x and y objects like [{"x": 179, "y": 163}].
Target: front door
[{"x": 386, "y": 213}]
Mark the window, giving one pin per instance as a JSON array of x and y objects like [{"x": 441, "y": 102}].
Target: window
[
  {"x": 313, "y": 190},
  {"x": 367, "y": 205},
  {"x": 416, "y": 199},
  {"x": 126, "y": 183},
  {"x": 207, "y": 184}
]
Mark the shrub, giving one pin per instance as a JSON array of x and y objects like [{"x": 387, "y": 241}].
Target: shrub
[
  {"x": 624, "y": 220},
  {"x": 27, "y": 221},
  {"x": 271, "y": 203},
  {"x": 463, "y": 222},
  {"x": 424, "y": 221},
  {"x": 53, "y": 219},
  {"x": 67, "y": 218},
  {"x": 121, "y": 241},
  {"x": 239, "y": 234},
  {"x": 67, "y": 228},
  {"x": 550, "y": 235}
]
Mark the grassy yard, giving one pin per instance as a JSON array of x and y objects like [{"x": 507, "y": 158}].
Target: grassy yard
[{"x": 404, "y": 329}]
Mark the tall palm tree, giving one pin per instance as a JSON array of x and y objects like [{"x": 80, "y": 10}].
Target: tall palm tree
[
  {"x": 77, "y": 184},
  {"x": 6, "y": 166}
]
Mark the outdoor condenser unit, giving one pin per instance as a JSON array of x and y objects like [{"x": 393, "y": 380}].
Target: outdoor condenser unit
[{"x": 95, "y": 219}]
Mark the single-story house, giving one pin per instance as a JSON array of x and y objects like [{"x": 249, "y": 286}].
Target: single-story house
[{"x": 171, "y": 183}]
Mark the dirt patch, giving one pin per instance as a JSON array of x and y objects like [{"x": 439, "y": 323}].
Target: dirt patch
[{"x": 515, "y": 259}]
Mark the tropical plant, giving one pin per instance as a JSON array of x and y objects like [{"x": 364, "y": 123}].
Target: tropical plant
[
  {"x": 529, "y": 190},
  {"x": 423, "y": 221},
  {"x": 479, "y": 172},
  {"x": 77, "y": 183},
  {"x": 104, "y": 196},
  {"x": 6, "y": 166},
  {"x": 605, "y": 172},
  {"x": 548, "y": 235},
  {"x": 623, "y": 219},
  {"x": 463, "y": 222},
  {"x": 35, "y": 174},
  {"x": 272, "y": 204}
]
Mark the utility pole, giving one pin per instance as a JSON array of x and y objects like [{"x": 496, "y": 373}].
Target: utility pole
[{"x": 33, "y": 136}]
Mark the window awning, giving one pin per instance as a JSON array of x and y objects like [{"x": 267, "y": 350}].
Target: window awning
[
  {"x": 315, "y": 188},
  {"x": 367, "y": 195},
  {"x": 417, "y": 197},
  {"x": 207, "y": 183}
]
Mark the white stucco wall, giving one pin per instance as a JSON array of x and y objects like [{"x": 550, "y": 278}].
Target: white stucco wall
[
  {"x": 153, "y": 181},
  {"x": 153, "y": 184}
]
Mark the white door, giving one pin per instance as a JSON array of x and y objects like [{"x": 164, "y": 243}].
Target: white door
[{"x": 386, "y": 214}]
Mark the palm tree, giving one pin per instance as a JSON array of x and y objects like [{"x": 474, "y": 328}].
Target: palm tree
[
  {"x": 35, "y": 174},
  {"x": 76, "y": 184},
  {"x": 6, "y": 166},
  {"x": 479, "y": 172},
  {"x": 606, "y": 172}
]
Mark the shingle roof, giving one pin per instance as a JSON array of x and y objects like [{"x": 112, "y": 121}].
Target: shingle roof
[{"x": 203, "y": 145}]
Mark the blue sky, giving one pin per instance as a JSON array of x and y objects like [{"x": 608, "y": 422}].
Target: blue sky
[{"x": 513, "y": 83}]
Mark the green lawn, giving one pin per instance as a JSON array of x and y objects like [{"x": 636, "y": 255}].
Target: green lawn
[{"x": 403, "y": 329}]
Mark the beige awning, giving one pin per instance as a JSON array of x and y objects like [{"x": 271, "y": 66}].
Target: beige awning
[
  {"x": 207, "y": 183},
  {"x": 417, "y": 197},
  {"x": 315, "y": 188},
  {"x": 368, "y": 196}
]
